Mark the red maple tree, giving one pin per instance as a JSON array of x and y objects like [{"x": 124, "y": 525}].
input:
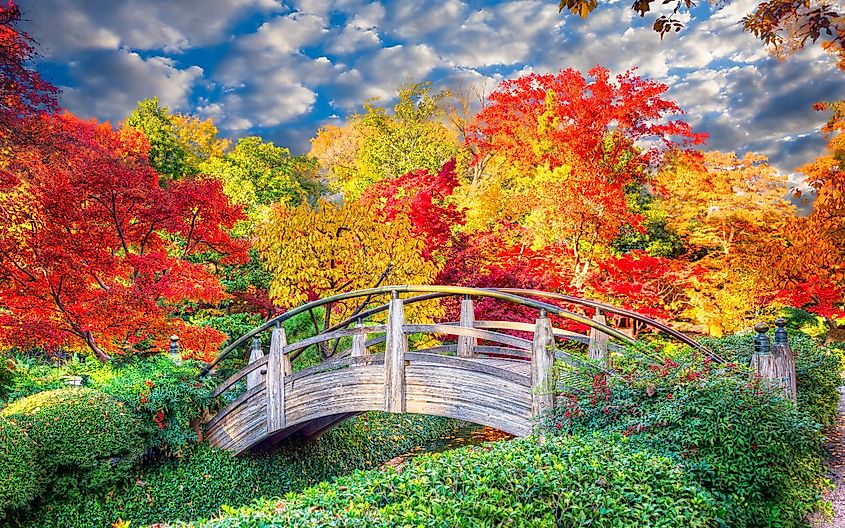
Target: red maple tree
[
  {"x": 24, "y": 95},
  {"x": 95, "y": 253}
]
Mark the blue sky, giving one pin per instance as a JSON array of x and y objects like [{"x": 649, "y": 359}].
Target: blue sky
[{"x": 282, "y": 69}]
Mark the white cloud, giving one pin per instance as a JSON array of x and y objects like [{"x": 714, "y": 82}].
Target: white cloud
[
  {"x": 110, "y": 84},
  {"x": 63, "y": 28}
]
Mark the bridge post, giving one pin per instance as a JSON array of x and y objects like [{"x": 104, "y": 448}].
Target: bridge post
[
  {"x": 359, "y": 342},
  {"x": 775, "y": 363},
  {"x": 253, "y": 379},
  {"x": 466, "y": 344},
  {"x": 396, "y": 345},
  {"x": 542, "y": 361},
  {"x": 278, "y": 366},
  {"x": 598, "y": 341}
]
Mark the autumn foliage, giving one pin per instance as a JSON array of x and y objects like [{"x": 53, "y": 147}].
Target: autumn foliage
[
  {"x": 114, "y": 238},
  {"x": 95, "y": 253}
]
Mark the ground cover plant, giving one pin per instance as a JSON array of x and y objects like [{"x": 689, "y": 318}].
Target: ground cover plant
[{"x": 557, "y": 482}]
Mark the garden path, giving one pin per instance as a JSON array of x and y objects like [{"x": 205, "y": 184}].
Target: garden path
[{"x": 836, "y": 468}]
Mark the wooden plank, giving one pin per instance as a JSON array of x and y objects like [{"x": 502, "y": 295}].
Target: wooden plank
[
  {"x": 478, "y": 365},
  {"x": 255, "y": 377},
  {"x": 328, "y": 336},
  {"x": 598, "y": 341},
  {"x": 396, "y": 347},
  {"x": 276, "y": 381},
  {"x": 234, "y": 405},
  {"x": 542, "y": 349},
  {"x": 496, "y": 337},
  {"x": 236, "y": 377},
  {"x": 467, "y": 344}
]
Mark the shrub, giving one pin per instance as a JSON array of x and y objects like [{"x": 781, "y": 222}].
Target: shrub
[
  {"x": 753, "y": 449},
  {"x": 167, "y": 396},
  {"x": 818, "y": 370},
  {"x": 19, "y": 468},
  {"x": 563, "y": 482},
  {"x": 84, "y": 439},
  {"x": 204, "y": 479}
]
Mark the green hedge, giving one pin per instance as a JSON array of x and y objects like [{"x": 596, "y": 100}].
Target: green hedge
[
  {"x": 818, "y": 370},
  {"x": 198, "y": 484},
  {"x": 757, "y": 453},
  {"x": 166, "y": 396},
  {"x": 523, "y": 483},
  {"x": 85, "y": 440},
  {"x": 20, "y": 471}
]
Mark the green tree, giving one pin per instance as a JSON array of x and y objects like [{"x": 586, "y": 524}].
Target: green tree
[
  {"x": 258, "y": 174},
  {"x": 385, "y": 143},
  {"x": 168, "y": 156}
]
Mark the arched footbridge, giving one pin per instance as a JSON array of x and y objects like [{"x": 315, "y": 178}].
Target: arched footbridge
[{"x": 485, "y": 376}]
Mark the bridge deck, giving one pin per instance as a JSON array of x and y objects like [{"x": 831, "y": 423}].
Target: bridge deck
[{"x": 490, "y": 391}]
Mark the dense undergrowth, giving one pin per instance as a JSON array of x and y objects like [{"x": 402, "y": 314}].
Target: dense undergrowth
[
  {"x": 74, "y": 455},
  {"x": 525, "y": 483},
  {"x": 685, "y": 442}
]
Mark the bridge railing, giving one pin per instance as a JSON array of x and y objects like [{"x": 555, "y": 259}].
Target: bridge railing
[
  {"x": 270, "y": 372},
  {"x": 600, "y": 332}
]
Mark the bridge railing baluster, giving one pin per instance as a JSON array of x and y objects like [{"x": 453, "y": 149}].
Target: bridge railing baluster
[
  {"x": 467, "y": 344},
  {"x": 542, "y": 361},
  {"x": 396, "y": 345},
  {"x": 254, "y": 378},
  {"x": 278, "y": 366},
  {"x": 598, "y": 341},
  {"x": 359, "y": 342}
]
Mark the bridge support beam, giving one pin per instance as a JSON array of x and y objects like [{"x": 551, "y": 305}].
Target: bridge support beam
[
  {"x": 278, "y": 366},
  {"x": 598, "y": 341},
  {"x": 542, "y": 361},
  {"x": 466, "y": 344},
  {"x": 395, "y": 348}
]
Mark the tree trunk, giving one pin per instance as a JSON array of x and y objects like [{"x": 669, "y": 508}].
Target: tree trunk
[
  {"x": 835, "y": 333},
  {"x": 89, "y": 340}
]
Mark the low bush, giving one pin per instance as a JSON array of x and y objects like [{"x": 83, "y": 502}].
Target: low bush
[
  {"x": 745, "y": 443},
  {"x": 204, "y": 479},
  {"x": 165, "y": 395},
  {"x": 560, "y": 482},
  {"x": 84, "y": 439},
  {"x": 20, "y": 471},
  {"x": 818, "y": 370}
]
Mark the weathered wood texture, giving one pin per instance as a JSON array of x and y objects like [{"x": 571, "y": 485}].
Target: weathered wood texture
[
  {"x": 395, "y": 349},
  {"x": 467, "y": 344},
  {"x": 542, "y": 361},
  {"x": 276, "y": 372},
  {"x": 488, "y": 391},
  {"x": 359, "y": 343},
  {"x": 775, "y": 364},
  {"x": 255, "y": 377},
  {"x": 598, "y": 341}
]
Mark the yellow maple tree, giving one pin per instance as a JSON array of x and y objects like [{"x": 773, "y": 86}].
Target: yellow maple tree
[{"x": 316, "y": 251}]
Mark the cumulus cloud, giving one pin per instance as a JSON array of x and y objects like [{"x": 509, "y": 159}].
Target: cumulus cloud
[
  {"x": 64, "y": 28},
  {"x": 290, "y": 65},
  {"x": 108, "y": 85}
]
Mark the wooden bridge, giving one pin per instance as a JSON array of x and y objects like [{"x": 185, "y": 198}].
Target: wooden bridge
[{"x": 503, "y": 383}]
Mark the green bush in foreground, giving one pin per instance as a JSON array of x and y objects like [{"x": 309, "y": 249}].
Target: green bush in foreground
[
  {"x": 818, "y": 370},
  {"x": 561, "y": 482},
  {"x": 164, "y": 395},
  {"x": 19, "y": 469},
  {"x": 84, "y": 439},
  {"x": 199, "y": 483},
  {"x": 745, "y": 443}
]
